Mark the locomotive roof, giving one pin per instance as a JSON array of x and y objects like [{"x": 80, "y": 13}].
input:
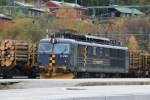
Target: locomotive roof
[
  {"x": 85, "y": 43},
  {"x": 80, "y": 37},
  {"x": 95, "y": 37}
]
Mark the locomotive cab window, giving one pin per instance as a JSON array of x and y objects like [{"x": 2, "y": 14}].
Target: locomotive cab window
[
  {"x": 45, "y": 47},
  {"x": 58, "y": 48},
  {"x": 80, "y": 50},
  {"x": 61, "y": 48}
]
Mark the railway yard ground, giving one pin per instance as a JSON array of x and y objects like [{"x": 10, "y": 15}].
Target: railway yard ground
[{"x": 75, "y": 89}]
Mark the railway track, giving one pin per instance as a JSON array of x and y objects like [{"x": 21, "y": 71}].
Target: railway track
[{"x": 50, "y": 83}]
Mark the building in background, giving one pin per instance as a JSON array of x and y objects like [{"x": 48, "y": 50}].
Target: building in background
[
  {"x": 4, "y": 20},
  {"x": 26, "y": 9},
  {"x": 120, "y": 11},
  {"x": 54, "y": 5}
]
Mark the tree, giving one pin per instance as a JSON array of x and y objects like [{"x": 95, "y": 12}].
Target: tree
[
  {"x": 68, "y": 19},
  {"x": 22, "y": 29},
  {"x": 133, "y": 44}
]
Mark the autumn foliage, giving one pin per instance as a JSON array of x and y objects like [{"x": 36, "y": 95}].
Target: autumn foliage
[
  {"x": 68, "y": 19},
  {"x": 21, "y": 29},
  {"x": 133, "y": 44}
]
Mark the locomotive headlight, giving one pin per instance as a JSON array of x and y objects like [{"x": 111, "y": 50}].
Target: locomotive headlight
[
  {"x": 63, "y": 56},
  {"x": 41, "y": 66}
]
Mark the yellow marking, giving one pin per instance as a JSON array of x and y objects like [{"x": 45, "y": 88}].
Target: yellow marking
[
  {"x": 53, "y": 61},
  {"x": 50, "y": 64},
  {"x": 53, "y": 56}
]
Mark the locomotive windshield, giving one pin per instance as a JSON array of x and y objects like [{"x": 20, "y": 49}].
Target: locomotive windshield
[
  {"x": 45, "y": 47},
  {"x": 59, "y": 48}
]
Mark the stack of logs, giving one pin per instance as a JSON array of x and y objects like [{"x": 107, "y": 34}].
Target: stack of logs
[
  {"x": 139, "y": 60},
  {"x": 16, "y": 53}
]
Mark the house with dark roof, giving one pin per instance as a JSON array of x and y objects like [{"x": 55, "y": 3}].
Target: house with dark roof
[
  {"x": 28, "y": 9},
  {"x": 4, "y": 20},
  {"x": 121, "y": 11},
  {"x": 5, "y": 17}
]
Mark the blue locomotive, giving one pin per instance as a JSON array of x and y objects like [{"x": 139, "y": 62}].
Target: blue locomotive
[{"x": 83, "y": 55}]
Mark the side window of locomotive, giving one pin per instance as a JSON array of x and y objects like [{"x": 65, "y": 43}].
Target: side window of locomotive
[
  {"x": 113, "y": 52},
  {"x": 89, "y": 51},
  {"x": 80, "y": 50},
  {"x": 99, "y": 52},
  {"x": 106, "y": 52},
  {"x": 122, "y": 53}
]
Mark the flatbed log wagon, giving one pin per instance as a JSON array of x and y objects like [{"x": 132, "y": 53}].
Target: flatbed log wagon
[{"x": 17, "y": 58}]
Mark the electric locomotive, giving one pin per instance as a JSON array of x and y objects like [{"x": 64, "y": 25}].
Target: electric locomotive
[{"x": 83, "y": 55}]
